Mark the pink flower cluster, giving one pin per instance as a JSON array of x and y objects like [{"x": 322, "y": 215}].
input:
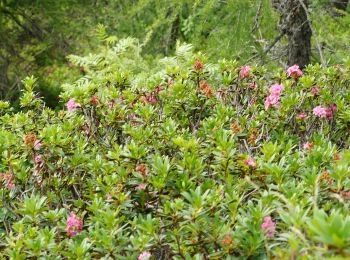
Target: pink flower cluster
[
  {"x": 308, "y": 146},
  {"x": 151, "y": 99},
  {"x": 325, "y": 112},
  {"x": 144, "y": 255},
  {"x": 268, "y": 226},
  {"x": 141, "y": 186},
  {"x": 315, "y": 90},
  {"x": 319, "y": 111},
  {"x": 10, "y": 185},
  {"x": 244, "y": 72},
  {"x": 294, "y": 72},
  {"x": 331, "y": 110},
  {"x": 72, "y": 105},
  {"x": 74, "y": 225},
  {"x": 250, "y": 162},
  {"x": 274, "y": 97},
  {"x": 37, "y": 144},
  {"x": 38, "y": 160},
  {"x": 301, "y": 116},
  {"x": 8, "y": 178}
]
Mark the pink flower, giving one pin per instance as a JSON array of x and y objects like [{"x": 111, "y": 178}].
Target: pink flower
[
  {"x": 109, "y": 196},
  {"x": 307, "y": 146},
  {"x": 315, "y": 90},
  {"x": 250, "y": 162},
  {"x": 245, "y": 70},
  {"x": 271, "y": 100},
  {"x": 38, "y": 160},
  {"x": 10, "y": 185},
  {"x": 132, "y": 116},
  {"x": 141, "y": 186},
  {"x": 8, "y": 179},
  {"x": 269, "y": 227},
  {"x": 144, "y": 255},
  {"x": 276, "y": 89},
  {"x": 268, "y": 103},
  {"x": 72, "y": 105},
  {"x": 319, "y": 111},
  {"x": 151, "y": 100},
  {"x": 74, "y": 225},
  {"x": 301, "y": 116},
  {"x": 37, "y": 144},
  {"x": 294, "y": 72},
  {"x": 329, "y": 113}
]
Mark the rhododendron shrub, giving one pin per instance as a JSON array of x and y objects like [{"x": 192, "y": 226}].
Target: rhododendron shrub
[{"x": 179, "y": 161}]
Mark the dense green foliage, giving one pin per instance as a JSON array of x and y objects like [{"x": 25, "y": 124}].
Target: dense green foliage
[{"x": 180, "y": 159}]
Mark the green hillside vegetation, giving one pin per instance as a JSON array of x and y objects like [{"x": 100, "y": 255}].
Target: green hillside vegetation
[{"x": 173, "y": 130}]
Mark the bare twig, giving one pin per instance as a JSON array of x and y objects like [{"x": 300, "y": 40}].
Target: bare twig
[{"x": 257, "y": 15}]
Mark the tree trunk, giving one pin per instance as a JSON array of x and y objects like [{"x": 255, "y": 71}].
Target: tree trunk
[
  {"x": 4, "y": 81},
  {"x": 294, "y": 23},
  {"x": 174, "y": 34}
]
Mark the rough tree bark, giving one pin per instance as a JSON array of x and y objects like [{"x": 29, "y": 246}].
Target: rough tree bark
[
  {"x": 295, "y": 25},
  {"x": 174, "y": 32},
  {"x": 4, "y": 81}
]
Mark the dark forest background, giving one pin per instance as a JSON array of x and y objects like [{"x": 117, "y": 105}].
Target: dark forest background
[{"x": 37, "y": 36}]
